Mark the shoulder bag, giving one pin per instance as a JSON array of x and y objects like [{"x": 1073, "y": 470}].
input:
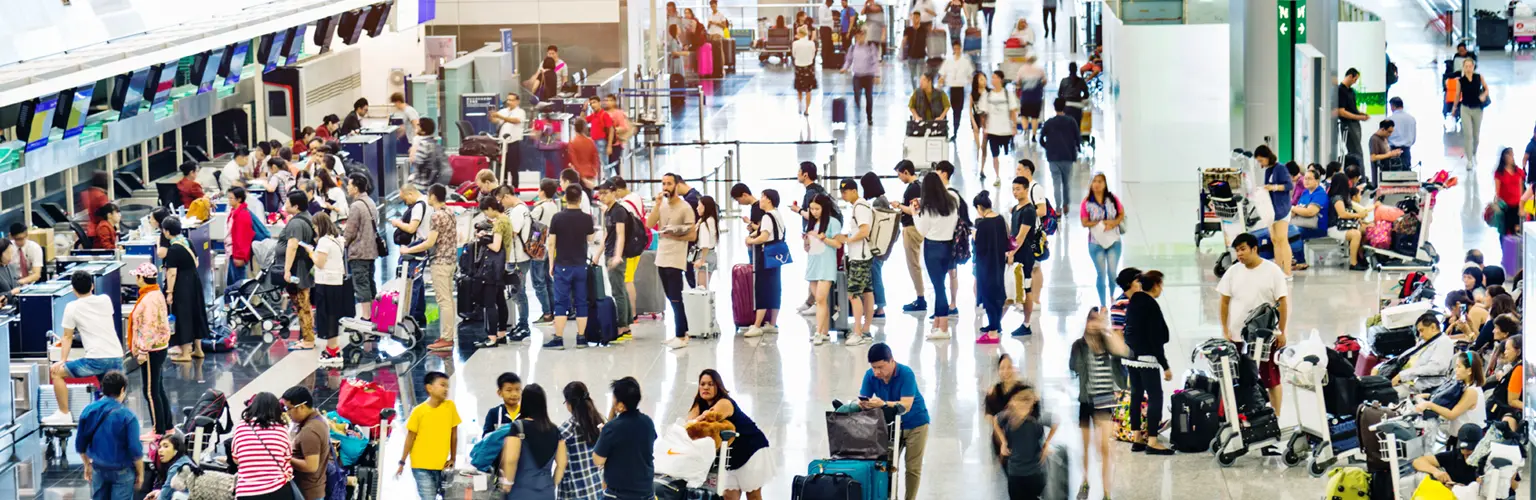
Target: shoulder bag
[
  {"x": 776, "y": 252},
  {"x": 292, "y": 484}
]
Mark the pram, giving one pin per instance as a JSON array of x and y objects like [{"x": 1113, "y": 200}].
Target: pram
[
  {"x": 260, "y": 302},
  {"x": 1224, "y": 207},
  {"x": 1249, "y": 424},
  {"x": 1407, "y": 252}
]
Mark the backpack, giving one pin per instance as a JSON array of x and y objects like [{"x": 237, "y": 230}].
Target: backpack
[
  {"x": 1348, "y": 483},
  {"x": 200, "y": 208},
  {"x": 884, "y": 230},
  {"x": 637, "y": 238},
  {"x": 534, "y": 244},
  {"x": 486, "y": 454},
  {"x": 258, "y": 227},
  {"x": 212, "y": 404},
  {"x": 482, "y": 265},
  {"x": 645, "y": 236},
  {"x": 1051, "y": 220},
  {"x": 401, "y": 237},
  {"x": 1412, "y": 283}
]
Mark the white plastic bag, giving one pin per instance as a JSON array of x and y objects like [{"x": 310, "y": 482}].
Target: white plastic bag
[
  {"x": 683, "y": 458},
  {"x": 1308, "y": 358}
]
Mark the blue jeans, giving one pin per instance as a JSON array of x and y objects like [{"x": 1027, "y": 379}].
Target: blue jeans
[
  {"x": 109, "y": 484},
  {"x": 938, "y": 259},
  {"x": 571, "y": 286},
  {"x": 541, "y": 285},
  {"x": 418, "y": 291},
  {"x": 519, "y": 295},
  {"x": 234, "y": 274},
  {"x": 428, "y": 483},
  {"x": 879, "y": 283},
  {"x": 1104, "y": 262}
]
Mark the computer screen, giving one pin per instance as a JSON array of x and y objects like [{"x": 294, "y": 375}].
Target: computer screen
[
  {"x": 164, "y": 84},
  {"x": 133, "y": 97},
  {"x": 377, "y": 18},
  {"x": 237, "y": 62},
  {"x": 213, "y": 66},
  {"x": 74, "y": 105},
  {"x": 295, "y": 43},
  {"x": 37, "y": 120},
  {"x": 274, "y": 55}
]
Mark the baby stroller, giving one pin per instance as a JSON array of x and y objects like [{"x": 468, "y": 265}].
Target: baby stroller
[{"x": 260, "y": 302}]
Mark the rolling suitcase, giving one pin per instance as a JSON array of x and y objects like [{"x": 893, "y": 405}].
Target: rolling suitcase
[
  {"x": 1390, "y": 342},
  {"x": 677, "y": 83},
  {"x": 707, "y": 61},
  {"x": 1057, "y": 482},
  {"x": 602, "y": 313},
  {"x": 727, "y": 55},
  {"x": 1194, "y": 420},
  {"x": 1376, "y": 388},
  {"x": 840, "y": 110},
  {"x": 836, "y": 486},
  {"x": 650, "y": 299},
  {"x": 871, "y": 479},
  {"x": 743, "y": 308},
  {"x": 465, "y": 168},
  {"x": 972, "y": 41},
  {"x": 699, "y": 305}
]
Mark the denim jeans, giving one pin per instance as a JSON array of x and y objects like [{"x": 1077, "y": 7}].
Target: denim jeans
[
  {"x": 418, "y": 290},
  {"x": 1061, "y": 176},
  {"x": 1104, "y": 262},
  {"x": 879, "y": 283},
  {"x": 672, "y": 285},
  {"x": 518, "y": 291},
  {"x": 428, "y": 482},
  {"x": 542, "y": 286},
  {"x": 234, "y": 274},
  {"x": 112, "y": 484},
  {"x": 571, "y": 287},
  {"x": 938, "y": 259}
]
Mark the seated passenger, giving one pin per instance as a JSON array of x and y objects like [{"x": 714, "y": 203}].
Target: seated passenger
[
  {"x": 1451, "y": 467},
  {"x": 104, "y": 235},
  {"x": 1458, "y": 401},
  {"x": 90, "y": 316},
  {"x": 1429, "y": 363},
  {"x": 1344, "y": 220},
  {"x": 1505, "y": 399},
  {"x": 1312, "y": 204}
]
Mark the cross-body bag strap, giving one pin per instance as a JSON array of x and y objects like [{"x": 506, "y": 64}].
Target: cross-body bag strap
[
  {"x": 91, "y": 437},
  {"x": 274, "y": 456}
]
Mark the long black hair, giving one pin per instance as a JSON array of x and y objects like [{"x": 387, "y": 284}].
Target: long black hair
[
  {"x": 711, "y": 212},
  {"x": 828, "y": 211},
  {"x": 935, "y": 197},
  {"x": 977, "y": 89},
  {"x": 1109, "y": 197},
  {"x": 535, "y": 408},
  {"x": 263, "y": 411},
  {"x": 179, "y": 449},
  {"x": 720, "y": 392},
  {"x": 582, "y": 410}
]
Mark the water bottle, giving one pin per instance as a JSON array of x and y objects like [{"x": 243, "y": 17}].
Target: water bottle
[{"x": 171, "y": 319}]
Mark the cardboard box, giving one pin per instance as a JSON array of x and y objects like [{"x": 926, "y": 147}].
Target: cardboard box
[{"x": 44, "y": 238}]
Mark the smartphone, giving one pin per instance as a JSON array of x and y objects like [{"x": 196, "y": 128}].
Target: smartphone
[
  {"x": 863, "y": 398},
  {"x": 307, "y": 246}
]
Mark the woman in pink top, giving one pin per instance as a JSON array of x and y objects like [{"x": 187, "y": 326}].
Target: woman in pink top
[
  {"x": 1102, "y": 213},
  {"x": 149, "y": 332},
  {"x": 261, "y": 449}
]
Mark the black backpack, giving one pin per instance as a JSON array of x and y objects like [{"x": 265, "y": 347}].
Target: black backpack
[
  {"x": 401, "y": 237},
  {"x": 214, "y": 405},
  {"x": 637, "y": 237}
]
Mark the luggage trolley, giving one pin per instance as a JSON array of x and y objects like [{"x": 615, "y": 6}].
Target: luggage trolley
[
  {"x": 404, "y": 328},
  {"x": 1401, "y": 441},
  {"x": 1223, "y": 206},
  {"x": 1236, "y": 437},
  {"x": 1313, "y": 438},
  {"x": 1403, "y": 189}
]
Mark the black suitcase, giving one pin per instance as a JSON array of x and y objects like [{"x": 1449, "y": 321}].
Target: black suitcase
[
  {"x": 1386, "y": 342},
  {"x": 839, "y": 110},
  {"x": 1262, "y": 425},
  {"x": 1341, "y": 395},
  {"x": 1194, "y": 420},
  {"x": 677, "y": 83},
  {"x": 1376, "y": 388},
  {"x": 1202, "y": 381},
  {"x": 826, "y": 487},
  {"x": 726, "y": 55}
]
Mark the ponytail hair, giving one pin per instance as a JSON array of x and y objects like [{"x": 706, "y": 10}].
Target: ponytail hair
[{"x": 587, "y": 417}]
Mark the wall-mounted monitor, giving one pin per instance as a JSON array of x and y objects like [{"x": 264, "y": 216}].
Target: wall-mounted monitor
[
  {"x": 295, "y": 43},
  {"x": 128, "y": 93},
  {"x": 325, "y": 30},
  {"x": 351, "y": 26},
  {"x": 163, "y": 84},
  {"x": 35, "y": 121},
  {"x": 377, "y": 17},
  {"x": 236, "y": 61},
  {"x": 264, "y": 48},
  {"x": 73, "y": 106},
  {"x": 275, "y": 56},
  {"x": 213, "y": 64}
]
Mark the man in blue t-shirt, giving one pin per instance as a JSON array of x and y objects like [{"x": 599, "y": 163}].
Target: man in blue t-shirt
[
  {"x": 887, "y": 384},
  {"x": 626, "y": 445}
]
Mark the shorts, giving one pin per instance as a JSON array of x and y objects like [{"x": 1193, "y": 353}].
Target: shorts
[
  {"x": 1086, "y": 412},
  {"x": 998, "y": 144},
  {"x": 860, "y": 277},
  {"x": 1269, "y": 372},
  {"x": 753, "y": 475},
  {"x": 630, "y": 265},
  {"x": 361, "y": 273},
  {"x": 91, "y": 367}
]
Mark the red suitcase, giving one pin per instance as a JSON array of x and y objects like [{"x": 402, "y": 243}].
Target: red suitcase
[
  {"x": 465, "y": 168},
  {"x": 1366, "y": 363},
  {"x": 743, "y": 309}
]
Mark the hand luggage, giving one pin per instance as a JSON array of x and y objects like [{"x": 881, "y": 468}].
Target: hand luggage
[
  {"x": 1366, "y": 416},
  {"x": 938, "y": 43},
  {"x": 706, "y": 54},
  {"x": 1194, "y": 420},
  {"x": 1341, "y": 395},
  {"x": 465, "y": 167},
  {"x": 1344, "y": 434},
  {"x": 602, "y": 313},
  {"x": 884, "y": 230},
  {"x": 650, "y": 298},
  {"x": 1348, "y": 483},
  {"x": 1262, "y": 425},
  {"x": 677, "y": 82},
  {"x": 726, "y": 55},
  {"x": 839, "y": 110},
  {"x": 1365, "y": 364},
  {"x": 1057, "y": 477},
  {"x": 1376, "y": 388},
  {"x": 385, "y": 308},
  {"x": 1202, "y": 381},
  {"x": 835, "y": 486},
  {"x": 1389, "y": 342},
  {"x": 743, "y": 310},
  {"x": 699, "y": 305},
  {"x": 872, "y": 476},
  {"x": 480, "y": 145},
  {"x": 972, "y": 41},
  {"x": 1509, "y": 245}
]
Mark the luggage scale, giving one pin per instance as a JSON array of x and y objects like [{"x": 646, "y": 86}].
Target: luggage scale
[
  {"x": 1234, "y": 439},
  {"x": 1312, "y": 439}
]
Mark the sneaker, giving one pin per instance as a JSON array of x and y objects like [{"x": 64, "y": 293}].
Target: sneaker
[
  {"x": 545, "y": 319},
  {"x": 804, "y": 308},
  {"x": 818, "y": 339},
  {"x": 59, "y": 418},
  {"x": 939, "y": 335},
  {"x": 1023, "y": 331},
  {"x": 753, "y": 332},
  {"x": 441, "y": 345},
  {"x": 954, "y": 311},
  {"x": 1082, "y": 493},
  {"x": 988, "y": 338},
  {"x": 676, "y": 343},
  {"x": 517, "y": 335},
  {"x": 918, "y": 305},
  {"x": 880, "y": 314},
  {"x": 556, "y": 343},
  {"x": 771, "y": 329},
  {"x": 626, "y": 337},
  {"x": 581, "y": 342},
  {"x": 856, "y": 340},
  {"x": 487, "y": 343}
]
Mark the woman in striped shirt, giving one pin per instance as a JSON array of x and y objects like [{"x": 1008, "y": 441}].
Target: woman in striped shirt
[
  {"x": 1095, "y": 360},
  {"x": 261, "y": 449}
]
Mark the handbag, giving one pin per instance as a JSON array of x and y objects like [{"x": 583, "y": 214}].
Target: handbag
[
  {"x": 1304, "y": 222},
  {"x": 776, "y": 252},
  {"x": 859, "y": 436},
  {"x": 1347, "y": 224},
  {"x": 361, "y": 402}
]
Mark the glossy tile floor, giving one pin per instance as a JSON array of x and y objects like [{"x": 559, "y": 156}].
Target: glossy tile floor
[{"x": 785, "y": 383}]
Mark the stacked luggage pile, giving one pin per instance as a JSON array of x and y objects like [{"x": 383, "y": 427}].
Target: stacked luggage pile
[{"x": 864, "y": 447}]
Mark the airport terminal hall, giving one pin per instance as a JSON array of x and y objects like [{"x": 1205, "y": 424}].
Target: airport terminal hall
[{"x": 766, "y": 249}]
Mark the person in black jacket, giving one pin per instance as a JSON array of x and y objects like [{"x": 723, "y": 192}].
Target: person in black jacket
[
  {"x": 1146, "y": 332},
  {"x": 1062, "y": 138}
]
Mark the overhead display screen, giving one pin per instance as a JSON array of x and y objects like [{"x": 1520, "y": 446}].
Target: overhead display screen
[
  {"x": 133, "y": 97},
  {"x": 295, "y": 43},
  {"x": 167, "y": 80},
  {"x": 236, "y": 62},
  {"x": 275, "y": 56},
  {"x": 79, "y": 107},
  {"x": 210, "y": 71},
  {"x": 37, "y": 116}
]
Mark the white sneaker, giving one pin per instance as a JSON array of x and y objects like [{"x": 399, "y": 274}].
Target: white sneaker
[
  {"x": 938, "y": 335},
  {"x": 59, "y": 418},
  {"x": 676, "y": 343},
  {"x": 806, "y": 307},
  {"x": 808, "y": 312},
  {"x": 753, "y": 332},
  {"x": 856, "y": 340},
  {"x": 770, "y": 328},
  {"x": 818, "y": 339}
]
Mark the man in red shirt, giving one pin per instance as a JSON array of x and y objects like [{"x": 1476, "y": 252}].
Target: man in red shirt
[
  {"x": 582, "y": 151},
  {"x": 601, "y": 125}
]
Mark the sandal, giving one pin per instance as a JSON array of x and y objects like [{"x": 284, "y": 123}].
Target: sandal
[
  {"x": 1299, "y": 267},
  {"x": 299, "y": 346}
]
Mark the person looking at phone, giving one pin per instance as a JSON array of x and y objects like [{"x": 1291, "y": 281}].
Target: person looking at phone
[
  {"x": 893, "y": 386},
  {"x": 297, "y": 265}
]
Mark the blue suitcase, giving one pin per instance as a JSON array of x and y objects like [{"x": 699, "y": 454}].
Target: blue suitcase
[{"x": 873, "y": 476}]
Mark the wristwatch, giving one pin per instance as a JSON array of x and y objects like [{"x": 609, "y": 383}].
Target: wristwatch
[{"x": 402, "y": 462}]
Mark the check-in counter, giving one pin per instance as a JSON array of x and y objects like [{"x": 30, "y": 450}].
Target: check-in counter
[{"x": 41, "y": 306}]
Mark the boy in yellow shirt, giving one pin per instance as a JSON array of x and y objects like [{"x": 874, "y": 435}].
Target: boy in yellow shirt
[{"x": 432, "y": 437}]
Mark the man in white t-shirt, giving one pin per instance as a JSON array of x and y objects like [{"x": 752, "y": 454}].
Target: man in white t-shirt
[
  {"x": 234, "y": 173},
  {"x": 1247, "y": 286},
  {"x": 404, "y": 111},
  {"x": 826, "y": 16},
  {"x": 518, "y": 260},
  {"x": 90, "y": 316},
  {"x": 511, "y": 120},
  {"x": 717, "y": 21},
  {"x": 861, "y": 264}
]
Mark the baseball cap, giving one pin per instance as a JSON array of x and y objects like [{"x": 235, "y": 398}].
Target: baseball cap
[
  {"x": 848, "y": 185},
  {"x": 296, "y": 396},
  {"x": 605, "y": 186},
  {"x": 1468, "y": 437},
  {"x": 145, "y": 270}
]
